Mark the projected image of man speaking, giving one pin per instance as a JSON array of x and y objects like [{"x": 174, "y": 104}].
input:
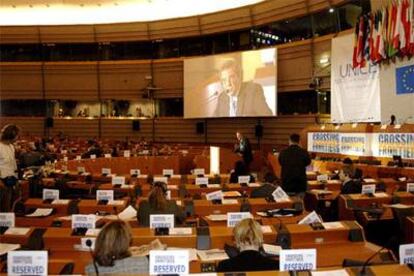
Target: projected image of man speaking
[{"x": 239, "y": 98}]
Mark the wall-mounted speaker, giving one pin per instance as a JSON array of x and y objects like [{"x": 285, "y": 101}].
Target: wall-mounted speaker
[
  {"x": 136, "y": 125},
  {"x": 258, "y": 131},
  {"x": 200, "y": 128},
  {"x": 49, "y": 122}
]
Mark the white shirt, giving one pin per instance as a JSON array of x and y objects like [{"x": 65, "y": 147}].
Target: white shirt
[
  {"x": 233, "y": 106},
  {"x": 8, "y": 164}
]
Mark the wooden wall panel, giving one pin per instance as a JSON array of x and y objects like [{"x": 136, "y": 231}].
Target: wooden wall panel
[
  {"x": 66, "y": 34},
  {"x": 28, "y": 125},
  {"x": 291, "y": 57},
  {"x": 71, "y": 80},
  {"x": 85, "y": 128},
  {"x": 124, "y": 80},
  {"x": 178, "y": 130},
  {"x": 322, "y": 49},
  {"x": 224, "y": 130},
  {"x": 180, "y": 27},
  {"x": 121, "y": 128},
  {"x": 274, "y": 10},
  {"x": 19, "y": 34},
  {"x": 169, "y": 75},
  {"x": 122, "y": 32},
  {"x": 235, "y": 19},
  {"x": 22, "y": 80}
]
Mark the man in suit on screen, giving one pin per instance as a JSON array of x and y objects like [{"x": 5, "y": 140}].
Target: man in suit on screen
[{"x": 239, "y": 98}]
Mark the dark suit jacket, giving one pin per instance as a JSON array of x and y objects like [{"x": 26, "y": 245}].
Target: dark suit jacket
[
  {"x": 249, "y": 260},
  {"x": 293, "y": 161},
  {"x": 245, "y": 150},
  {"x": 352, "y": 186},
  {"x": 145, "y": 211},
  {"x": 250, "y": 102}
]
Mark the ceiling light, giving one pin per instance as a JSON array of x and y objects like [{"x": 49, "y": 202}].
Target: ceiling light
[
  {"x": 331, "y": 10},
  {"x": 324, "y": 60}
]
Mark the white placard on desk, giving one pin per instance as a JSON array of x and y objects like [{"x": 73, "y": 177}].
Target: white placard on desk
[
  {"x": 106, "y": 171},
  {"x": 78, "y": 157},
  {"x": 7, "y": 219},
  {"x": 368, "y": 189},
  {"x": 216, "y": 195},
  {"x": 127, "y": 153},
  {"x": 172, "y": 262},
  {"x": 81, "y": 169},
  {"x": 50, "y": 194},
  {"x": 234, "y": 217},
  {"x": 118, "y": 180},
  {"x": 311, "y": 218},
  {"x": 199, "y": 171},
  {"x": 105, "y": 195},
  {"x": 244, "y": 179},
  {"x": 410, "y": 187},
  {"x": 161, "y": 221},
  {"x": 64, "y": 152},
  {"x": 297, "y": 259},
  {"x": 201, "y": 181},
  {"x": 107, "y": 155},
  {"x": 162, "y": 179},
  {"x": 93, "y": 156},
  {"x": 279, "y": 195},
  {"x": 27, "y": 263},
  {"x": 322, "y": 178},
  {"x": 135, "y": 172},
  {"x": 65, "y": 159},
  {"x": 407, "y": 253},
  {"x": 83, "y": 221},
  {"x": 166, "y": 172}
]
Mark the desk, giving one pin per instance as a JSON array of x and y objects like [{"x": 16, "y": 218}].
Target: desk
[
  {"x": 59, "y": 209},
  {"x": 346, "y": 203},
  {"x": 90, "y": 206}
]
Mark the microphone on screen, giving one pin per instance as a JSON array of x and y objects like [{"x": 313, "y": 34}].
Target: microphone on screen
[{"x": 89, "y": 244}]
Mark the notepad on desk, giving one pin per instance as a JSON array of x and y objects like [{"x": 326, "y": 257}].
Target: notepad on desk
[
  {"x": 272, "y": 249},
  {"x": 181, "y": 231},
  {"x": 212, "y": 255},
  {"x": 231, "y": 194},
  {"x": 217, "y": 217},
  {"x": 40, "y": 212},
  {"x": 18, "y": 231},
  {"x": 60, "y": 201},
  {"x": 7, "y": 247},
  {"x": 229, "y": 201}
]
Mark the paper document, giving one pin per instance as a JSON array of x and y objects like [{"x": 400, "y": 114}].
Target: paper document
[
  {"x": 333, "y": 225},
  {"x": 116, "y": 202},
  {"x": 128, "y": 213},
  {"x": 213, "y": 186},
  {"x": 231, "y": 194},
  {"x": 381, "y": 194},
  {"x": 19, "y": 231},
  {"x": 336, "y": 272},
  {"x": 253, "y": 185},
  {"x": 229, "y": 201},
  {"x": 266, "y": 229},
  {"x": 40, "y": 212},
  {"x": 181, "y": 231},
  {"x": 192, "y": 252},
  {"x": 369, "y": 180},
  {"x": 398, "y": 206},
  {"x": 212, "y": 255},
  {"x": 272, "y": 249},
  {"x": 61, "y": 201},
  {"x": 217, "y": 217},
  {"x": 6, "y": 247},
  {"x": 144, "y": 250},
  {"x": 92, "y": 232}
]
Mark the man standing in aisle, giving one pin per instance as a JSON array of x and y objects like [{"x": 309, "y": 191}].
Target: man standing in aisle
[
  {"x": 293, "y": 161},
  {"x": 244, "y": 149}
]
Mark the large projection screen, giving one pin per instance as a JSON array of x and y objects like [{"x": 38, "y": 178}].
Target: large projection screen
[{"x": 241, "y": 84}]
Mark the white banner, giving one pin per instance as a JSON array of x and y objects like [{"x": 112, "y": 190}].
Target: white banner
[
  {"x": 390, "y": 144},
  {"x": 342, "y": 143},
  {"x": 355, "y": 93}
]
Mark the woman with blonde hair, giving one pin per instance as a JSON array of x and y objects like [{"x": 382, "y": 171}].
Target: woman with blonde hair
[
  {"x": 111, "y": 253},
  {"x": 158, "y": 203},
  {"x": 249, "y": 239}
]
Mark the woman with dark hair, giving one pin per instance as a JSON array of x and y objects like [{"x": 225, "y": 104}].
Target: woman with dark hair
[
  {"x": 157, "y": 203},
  {"x": 240, "y": 169},
  {"x": 111, "y": 253},
  {"x": 8, "y": 166}
]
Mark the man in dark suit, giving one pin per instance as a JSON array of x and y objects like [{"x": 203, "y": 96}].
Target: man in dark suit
[
  {"x": 239, "y": 98},
  {"x": 293, "y": 161},
  {"x": 244, "y": 149}
]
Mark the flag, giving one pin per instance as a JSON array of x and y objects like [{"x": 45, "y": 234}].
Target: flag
[
  {"x": 358, "y": 58},
  {"x": 392, "y": 20},
  {"x": 404, "y": 77},
  {"x": 405, "y": 25}
]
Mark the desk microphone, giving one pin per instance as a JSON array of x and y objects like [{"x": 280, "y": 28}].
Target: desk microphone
[{"x": 89, "y": 244}]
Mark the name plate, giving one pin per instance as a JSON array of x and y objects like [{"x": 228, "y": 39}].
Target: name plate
[
  {"x": 217, "y": 195},
  {"x": 410, "y": 187},
  {"x": 322, "y": 178},
  {"x": 106, "y": 171},
  {"x": 65, "y": 159},
  {"x": 201, "y": 181},
  {"x": 107, "y": 155},
  {"x": 279, "y": 195},
  {"x": 83, "y": 221},
  {"x": 27, "y": 263},
  {"x": 406, "y": 253},
  {"x": 163, "y": 179},
  {"x": 199, "y": 172},
  {"x": 118, "y": 180},
  {"x": 105, "y": 195},
  {"x": 368, "y": 189},
  {"x": 311, "y": 218},
  {"x": 81, "y": 169},
  {"x": 127, "y": 153},
  {"x": 234, "y": 218},
  {"x": 135, "y": 172},
  {"x": 78, "y": 157},
  {"x": 169, "y": 262},
  {"x": 50, "y": 194},
  {"x": 7, "y": 219},
  {"x": 161, "y": 221},
  {"x": 244, "y": 179},
  {"x": 93, "y": 156},
  {"x": 166, "y": 172},
  {"x": 297, "y": 259}
]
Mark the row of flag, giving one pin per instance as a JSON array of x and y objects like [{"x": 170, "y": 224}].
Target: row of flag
[{"x": 384, "y": 34}]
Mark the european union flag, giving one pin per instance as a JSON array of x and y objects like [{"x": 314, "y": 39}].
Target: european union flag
[{"x": 405, "y": 79}]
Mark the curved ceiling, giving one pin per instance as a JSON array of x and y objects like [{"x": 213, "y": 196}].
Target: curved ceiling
[{"x": 76, "y": 12}]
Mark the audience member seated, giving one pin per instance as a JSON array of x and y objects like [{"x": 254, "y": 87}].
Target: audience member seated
[
  {"x": 350, "y": 184},
  {"x": 348, "y": 164},
  {"x": 157, "y": 203},
  {"x": 112, "y": 255},
  {"x": 249, "y": 238},
  {"x": 94, "y": 149},
  {"x": 239, "y": 170}
]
